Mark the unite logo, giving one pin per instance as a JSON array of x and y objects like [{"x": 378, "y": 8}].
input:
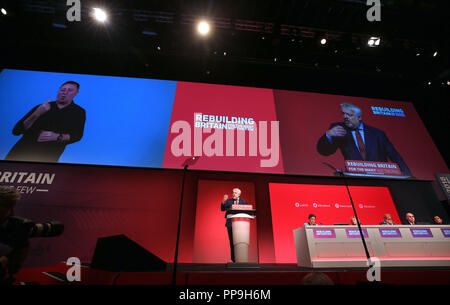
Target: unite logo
[{"x": 301, "y": 205}]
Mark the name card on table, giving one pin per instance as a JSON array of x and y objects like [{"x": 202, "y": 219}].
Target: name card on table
[
  {"x": 324, "y": 233},
  {"x": 445, "y": 232},
  {"x": 388, "y": 233},
  {"x": 421, "y": 232},
  {"x": 354, "y": 233}
]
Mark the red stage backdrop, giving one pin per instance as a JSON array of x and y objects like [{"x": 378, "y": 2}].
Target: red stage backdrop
[
  {"x": 95, "y": 202},
  {"x": 292, "y": 203},
  {"x": 211, "y": 244}
]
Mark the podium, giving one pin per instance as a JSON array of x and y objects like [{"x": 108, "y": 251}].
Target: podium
[{"x": 241, "y": 215}]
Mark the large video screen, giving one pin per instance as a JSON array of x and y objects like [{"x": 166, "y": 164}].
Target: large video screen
[
  {"x": 291, "y": 204},
  {"x": 104, "y": 120}
]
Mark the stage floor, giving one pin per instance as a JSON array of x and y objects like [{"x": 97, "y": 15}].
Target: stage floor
[{"x": 220, "y": 275}]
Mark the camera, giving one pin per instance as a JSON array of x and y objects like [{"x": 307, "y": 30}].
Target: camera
[{"x": 16, "y": 232}]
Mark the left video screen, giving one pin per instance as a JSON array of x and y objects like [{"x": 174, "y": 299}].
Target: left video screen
[{"x": 84, "y": 119}]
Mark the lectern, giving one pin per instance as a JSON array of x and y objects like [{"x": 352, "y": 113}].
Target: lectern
[{"x": 241, "y": 215}]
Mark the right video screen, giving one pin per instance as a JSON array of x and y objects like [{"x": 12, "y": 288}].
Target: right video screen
[{"x": 327, "y": 134}]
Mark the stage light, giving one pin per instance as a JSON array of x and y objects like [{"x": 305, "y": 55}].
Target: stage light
[
  {"x": 203, "y": 28},
  {"x": 149, "y": 33},
  {"x": 100, "y": 15},
  {"x": 418, "y": 54},
  {"x": 374, "y": 41},
  {"x": 59, "y": 25},
  {"x": 4, "y": 12},
  {"x": 429, "y": 83},
  {"x": 435, "y": 54},
  {"x": 323, "y": 41}
]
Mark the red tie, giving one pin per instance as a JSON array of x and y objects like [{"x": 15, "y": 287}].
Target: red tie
[{"x": 361, "y": 145}]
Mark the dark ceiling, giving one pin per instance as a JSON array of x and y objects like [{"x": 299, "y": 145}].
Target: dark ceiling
[{"x": 264, "y": 43}]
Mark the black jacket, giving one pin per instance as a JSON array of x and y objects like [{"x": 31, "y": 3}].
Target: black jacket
[{"x": 226, "y": 206}]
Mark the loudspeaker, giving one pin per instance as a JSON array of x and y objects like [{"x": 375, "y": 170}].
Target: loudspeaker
[{"x": 119, "y": 253}]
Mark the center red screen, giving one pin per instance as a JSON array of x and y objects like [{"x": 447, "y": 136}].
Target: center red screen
[{"x": 292, "y": 203}]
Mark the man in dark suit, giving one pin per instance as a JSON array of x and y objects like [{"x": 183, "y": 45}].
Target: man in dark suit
[
  {"x": 437, "y": 220},
  {"x": 226, "y": 206},
  {"x": 387, "y": 220},
  {"x": 358, "y": 141},
  {"x": 410, "y": 219}
]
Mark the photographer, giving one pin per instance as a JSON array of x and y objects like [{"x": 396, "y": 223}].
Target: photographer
[
  {"x": 11, "y": 261},
  {"x": 15, "y": 233}
]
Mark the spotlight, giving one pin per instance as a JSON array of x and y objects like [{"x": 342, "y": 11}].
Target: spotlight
[
  {"x": 100, "y": 15},
  {"x": 4, "y": 12},
  {"x": 323, "y": 41},
  {"x": 374, "y": 41},
  {"x": 429, "y": 83},
  {"x": 149, "y": 33},
  {"x": 435, "y": 54},
  {"x": 203, "y": 28}
]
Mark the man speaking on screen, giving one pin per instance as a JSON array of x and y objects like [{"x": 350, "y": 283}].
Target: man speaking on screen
[
  {"x": 358, "y": 141},
  {"x": 49, "y": 127}
]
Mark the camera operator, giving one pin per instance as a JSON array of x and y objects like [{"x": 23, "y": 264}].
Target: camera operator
[
  {"x": 15, "y": 233},
  {"x": 18, "y": 251}
]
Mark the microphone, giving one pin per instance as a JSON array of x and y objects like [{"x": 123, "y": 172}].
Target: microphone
[
  {"x": 190, "y": 161},
  {"x": 333, "y": 168}
]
